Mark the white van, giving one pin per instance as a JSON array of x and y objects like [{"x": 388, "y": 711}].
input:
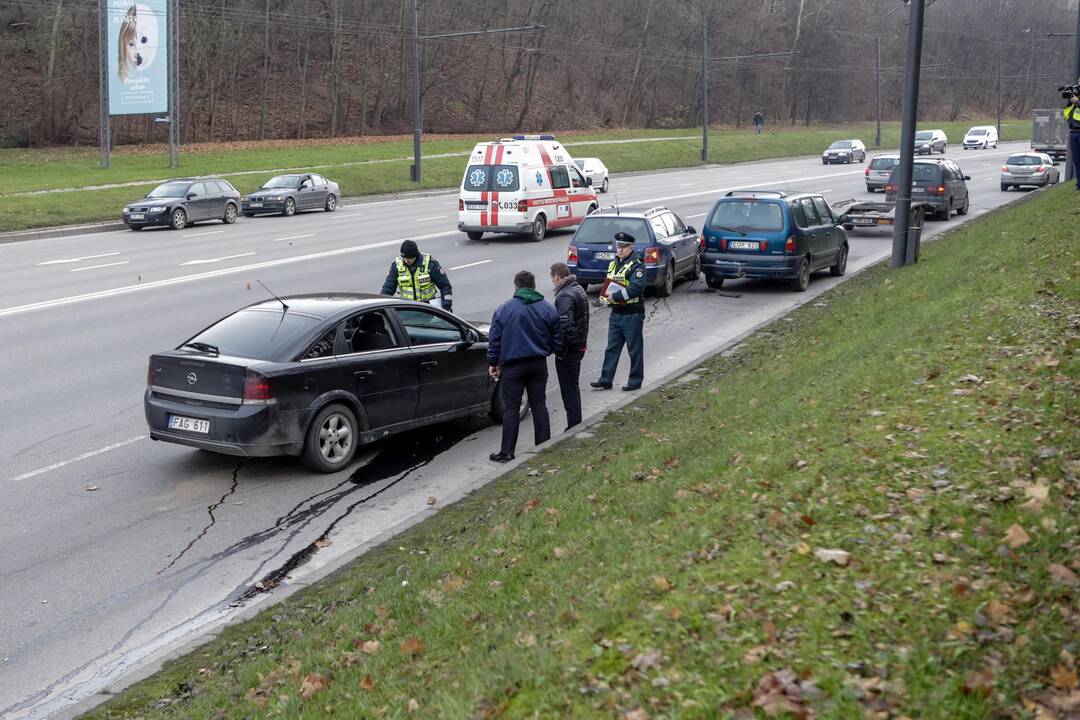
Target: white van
[
  {"x": 981, "y": 136},
  {"x": 522, "y": 185}
]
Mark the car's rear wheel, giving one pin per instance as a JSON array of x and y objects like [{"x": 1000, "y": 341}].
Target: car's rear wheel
[
  {"x": 474, "y": 235},
  {"x": 496, "y": 412},
  {"x": 669, "y": 282},
  {"x": 695, "y": 269},
  {"x": 331, "y": 203},
  {"x": 584, "y": 285},
  {"x": 840, "y": 267},
  {"x": 290, "y": 207},
  {"x": 849, "y": 228},
  {"x": 714, "y": 281},
  {"x": 604, "y": 186},
  {"x": 946, "y": 214},
  {"x": 802, "y": 281},
  {"x": 230, "y": 214},
  {"x": 331, "y": 439},
  {"x": 1004, "y": 187},
  {"x": 592, "y": 209},
  {"x": 178, "y": 219},
  {"x": 539, "y": 229}
]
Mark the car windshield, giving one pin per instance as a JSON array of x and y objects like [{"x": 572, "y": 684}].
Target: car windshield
[
  {"x": 841, "y": 145},
  {"x": 255, "y": 333},
  {"x": 499, "y": 178},
  {"x": 169, "y": 190},
  {"x": 976, "y": 131},
  {"x": 884, "y": 163},
  {"x": 601, "y": 229},
  {"x": 1023, "y": 160},
  {"x": 746, "y": 216},
  {"x": 923, "y": 135},
  {"x": 282, "y": 181}
]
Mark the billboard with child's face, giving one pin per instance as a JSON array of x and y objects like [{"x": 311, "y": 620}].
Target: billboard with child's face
[{"x": 138, "y": 56}]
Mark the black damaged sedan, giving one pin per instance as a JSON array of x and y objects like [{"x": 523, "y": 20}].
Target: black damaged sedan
[
  {"x": 181, "y": 202},
  {"x": 317, "y": 376}
]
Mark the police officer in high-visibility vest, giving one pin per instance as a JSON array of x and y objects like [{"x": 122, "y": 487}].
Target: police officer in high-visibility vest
[
  {"x": 623, "y": 293},
  {"x": 1072, "y": 117},
  {"x": 416, "y": 276}
]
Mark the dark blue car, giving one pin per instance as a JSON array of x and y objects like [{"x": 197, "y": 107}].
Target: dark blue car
[
  {"x": 669, "y": 247},
  {"x": 772, "y": 234}
]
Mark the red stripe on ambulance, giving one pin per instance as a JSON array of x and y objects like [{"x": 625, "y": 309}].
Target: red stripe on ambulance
[
  {"x": 495, "y": 193},
  {"x": 484, "y": 195}
]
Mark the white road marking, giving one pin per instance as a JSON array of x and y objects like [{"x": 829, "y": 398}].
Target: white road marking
[
  {"x": 210, "y": 232},
  {"x": 691, "y": 217},
  {"x": 95, "y": 267},
  {"x": 205, "y": 261},
  {"x": 293, "y": 237},
  {"x": 825, "y": 190},
  {"x": 433, "y": 217},
  {"x": 77, "y": 458},
  {"x": 76, "y": 259},
  {"x": 129, "y": 289},
  {"x": 344, "y": 215},
  {"x": 469, "y": 265}
]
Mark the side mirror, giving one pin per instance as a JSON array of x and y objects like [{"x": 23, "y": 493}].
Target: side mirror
[
  {"x": 588, "y": 181},
  {"x": 691, "y": 230},
  {"x": 967, "y": 177},
  {"x": 191, "y": 196},
  {"x": 471, "y": 336}
]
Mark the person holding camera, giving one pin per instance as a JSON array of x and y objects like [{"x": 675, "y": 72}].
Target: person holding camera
[{"x": 1072, "y": 116}]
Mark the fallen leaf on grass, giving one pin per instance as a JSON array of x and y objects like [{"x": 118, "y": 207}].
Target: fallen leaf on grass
[
  {"x": 453, "y": 584},
  {"x": 802, "y": 549},
  {"x": 980, "y": 682},
  {"x": 370, "y": 647},
  {"x": 636, "y": 714},
  {"x": 779, "y": 692},
  {"x": 367, "y": 683},
  {"x": 1064, "y": 678},
  {"x": 840, "y": 557},
  {"x": 348, "y": 659},
  {"x": 653, "y": 659},
  {"x": 412, "y": 706},
  {"x": 259, "y": 696},
  {"x": 1063, "y": 575},
  {"x": 313, "y": 684},
  {"x": 662, "y": 583},
  {"x": 561, "y": 553},
  {"x": 529, "y": 506},
  {"x": 1016, "y": 537},
  {"x": 412, "y": 646},
  {"x": 997, "y": 612},
  {"x": 1037, "y": 494}
]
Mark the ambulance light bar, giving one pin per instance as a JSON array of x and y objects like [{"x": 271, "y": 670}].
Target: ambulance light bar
[{"x": 534, "y": 137}]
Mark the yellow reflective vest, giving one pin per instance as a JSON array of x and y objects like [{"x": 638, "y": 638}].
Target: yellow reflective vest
[
  {"x": 619, "y": 275},
  {"x": 415, "y": 285}
]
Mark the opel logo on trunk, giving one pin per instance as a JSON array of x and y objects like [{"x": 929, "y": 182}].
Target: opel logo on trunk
[{"x": 192, "y": 378}]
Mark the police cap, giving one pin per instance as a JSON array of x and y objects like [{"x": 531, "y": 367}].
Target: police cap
[{"x": 622, "y": 238}]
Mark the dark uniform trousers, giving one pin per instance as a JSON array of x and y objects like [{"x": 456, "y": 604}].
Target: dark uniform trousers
[
  {"x": 568, "y": 368},
  {"x": 1074, "y": 149},
  {"x": 517, "y": 377},
  {"x": 625, "y": 329}
]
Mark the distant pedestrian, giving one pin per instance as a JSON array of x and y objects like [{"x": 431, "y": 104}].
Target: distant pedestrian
[
  {"x": 524, "y": 331},
  {"x": 573, "y": 306},
  {"x": 416, "y": 276},
  {"x": 759, "y": 122},
  {"x": 625, "y": 286}
]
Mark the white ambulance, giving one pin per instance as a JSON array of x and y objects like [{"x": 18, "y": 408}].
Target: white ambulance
[{"x": 522, "y": 185}]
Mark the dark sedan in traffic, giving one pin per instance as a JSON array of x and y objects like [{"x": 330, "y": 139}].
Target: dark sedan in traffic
[
  {"x": 288, "y": 194},
  {"x": 317, "y": 376},
  {"x": 181, "y": 202}
]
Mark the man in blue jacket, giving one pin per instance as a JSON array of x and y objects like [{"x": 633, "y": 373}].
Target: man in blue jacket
[{"x": 524, "y": 331}]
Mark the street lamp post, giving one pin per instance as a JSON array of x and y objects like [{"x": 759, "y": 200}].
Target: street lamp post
[{"x": 902, "y": 254}]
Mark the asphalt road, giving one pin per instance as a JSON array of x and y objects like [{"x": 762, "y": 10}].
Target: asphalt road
[{"x": 116, "y": 548}]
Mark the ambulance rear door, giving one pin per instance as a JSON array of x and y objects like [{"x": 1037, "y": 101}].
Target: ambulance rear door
[{"x": 490, "y": 185}]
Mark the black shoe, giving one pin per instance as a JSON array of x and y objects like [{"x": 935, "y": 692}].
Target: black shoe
[
  {"x": 631, "y": 387},
  {"x": 600, "y": 385},
  {"x": 500, "y": 457}
]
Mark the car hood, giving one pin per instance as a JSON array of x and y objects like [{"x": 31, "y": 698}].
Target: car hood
[
  {"x": 156, "y": 201},
  {"x": 272, "y": 191},
  {"x": 837, "y": 150}
]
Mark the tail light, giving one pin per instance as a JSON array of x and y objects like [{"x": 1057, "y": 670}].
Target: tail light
[
  {"x": 789, "y": 246},
  {"x": 523, "y": 206},
  {"x": 723, "y": 244},
  {"x": 890, "y": 188},
  {"x": 1040, "y": 170},
  {"x": 257, "y": 389},
  {"x": 763, "y": 245},
  {"x": 571, "y": 255},
  {"x": 652, "y": 255},
  {"x": 939, "y": 190},
  {"x": 460, "y": 205},
  {"x": 867, "y": 173},
  {"x": 1005, "y": 168},
  {"x": 701, "y": 242}
]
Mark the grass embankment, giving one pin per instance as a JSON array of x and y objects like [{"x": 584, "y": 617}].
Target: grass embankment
[
  {"x": 869, "y": 506},
  {"x": 32, "y": 170}
]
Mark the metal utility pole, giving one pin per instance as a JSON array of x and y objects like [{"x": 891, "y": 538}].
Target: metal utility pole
[
  {"x": 416, "y": 37},
  {"x": 103, "y": 85},
  {"x": 999, "y": 94},
  {"x": 1069, "y": 172},
  {"x": 877, "y": 89},
  {"x": 903, "y": 249},
  {"x": 704, "y": 92}
]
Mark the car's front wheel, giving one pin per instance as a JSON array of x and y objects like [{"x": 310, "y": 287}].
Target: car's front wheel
[
  {"x": 840, "y": 267},
  {"x": 604, "y": 186},
  {"x": 331, "y": 203},
  {"x": 230, "y": 214},
  {"x": 290, "y": 207},
  {"x": 178, "y": 219},
  {"x": 802, "y": 281},
  {"x": 714, "y": 281},
  {"x": 331, "y": 439},
  {"x": 136, "y": 228}
]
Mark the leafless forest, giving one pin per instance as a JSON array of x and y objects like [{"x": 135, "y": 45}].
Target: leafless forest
[{"x": 254, "y": 69}]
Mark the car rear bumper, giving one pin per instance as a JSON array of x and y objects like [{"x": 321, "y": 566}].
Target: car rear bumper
[
  {"x": 735, "y": 265},
  {"x": 243, "y": 430},
  {"x": 519, "y": 227},
  {"x": 872, "y": 182},
  {"x": 1015, "y": 181},
  {"x": 655, "y": 275}
]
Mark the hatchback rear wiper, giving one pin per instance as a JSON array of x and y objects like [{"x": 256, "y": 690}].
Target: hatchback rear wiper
[
  {"x": 203, "y": 347},
  {"x": 724, "y": 227}
]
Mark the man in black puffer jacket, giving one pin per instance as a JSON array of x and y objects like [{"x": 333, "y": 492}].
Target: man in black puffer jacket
[{"x": 573, "y": 307}]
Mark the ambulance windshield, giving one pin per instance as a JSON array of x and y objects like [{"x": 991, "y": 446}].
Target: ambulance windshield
[{"x": 491, "y": 178}]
